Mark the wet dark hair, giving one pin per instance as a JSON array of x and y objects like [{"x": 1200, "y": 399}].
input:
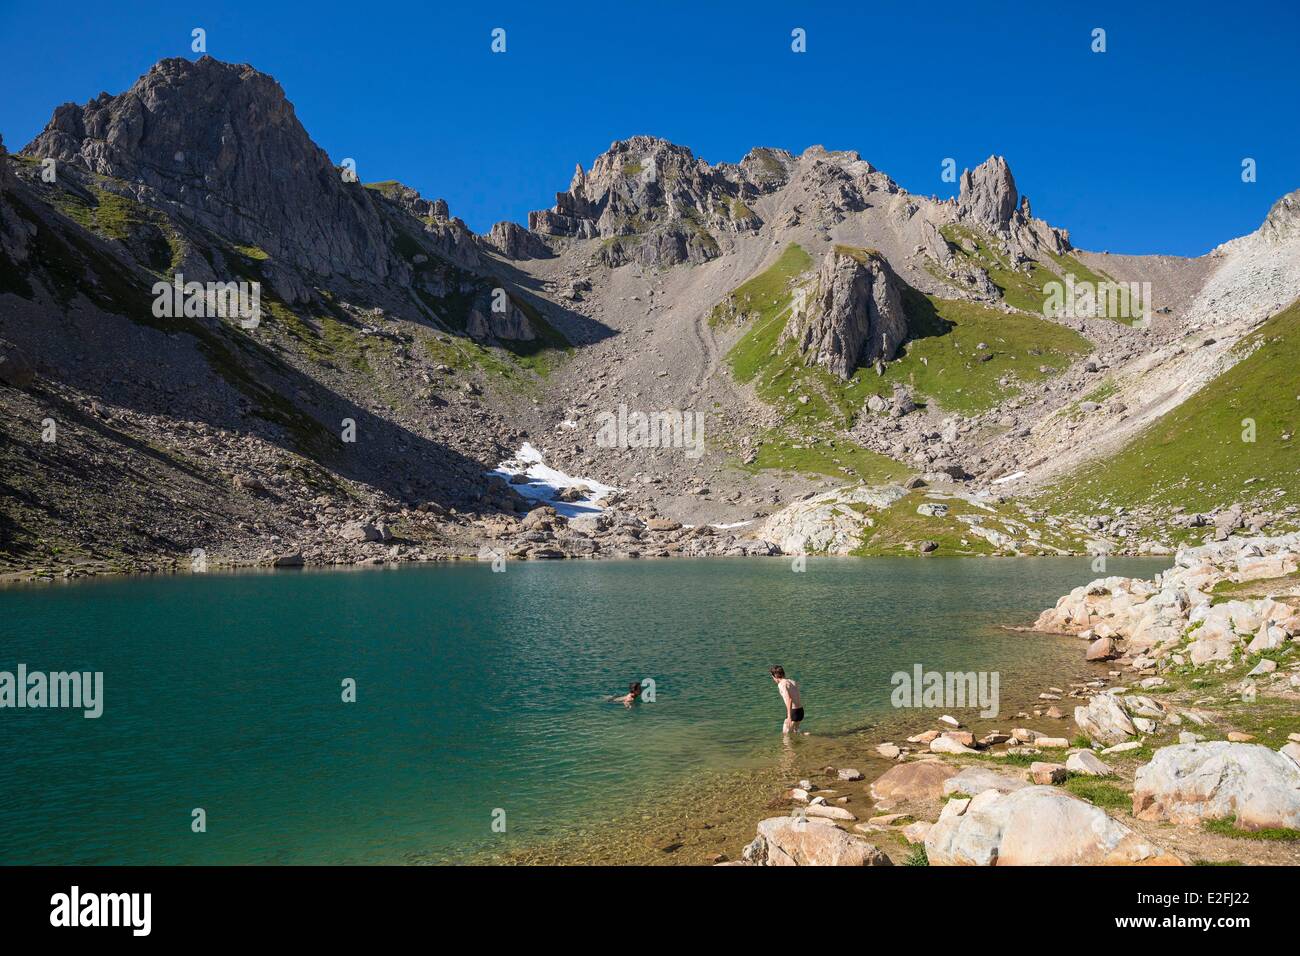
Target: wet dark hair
[
  {"x": 776, "y": 670},
  {"x": 634, "y": 687}
]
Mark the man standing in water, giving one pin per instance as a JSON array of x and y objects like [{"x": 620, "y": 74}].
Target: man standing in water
[{"x": 790, "y": 694}]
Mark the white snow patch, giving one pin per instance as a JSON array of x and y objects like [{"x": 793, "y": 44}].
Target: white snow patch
[
  {"x": 1005, "y": 478},
  {"x": 545, "y": 483}
]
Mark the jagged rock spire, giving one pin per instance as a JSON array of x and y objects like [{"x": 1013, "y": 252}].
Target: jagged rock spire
[{"x": 988, "y": 193}]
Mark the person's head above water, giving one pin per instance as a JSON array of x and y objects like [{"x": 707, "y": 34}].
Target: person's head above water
[
  {"x": 634, "y": 688},
  {"x": 777, "y": 672}
]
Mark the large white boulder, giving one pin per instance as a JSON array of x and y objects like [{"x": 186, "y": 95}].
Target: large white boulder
[
  {"x": 1189, "y": 783},
  {"x": 1036, "y": 826},
  {"x": 828, "y": 523}
]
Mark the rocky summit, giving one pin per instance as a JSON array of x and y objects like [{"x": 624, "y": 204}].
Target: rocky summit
[{"x": 787, "y": 354}]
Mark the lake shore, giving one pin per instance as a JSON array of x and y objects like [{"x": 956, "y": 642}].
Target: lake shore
[
  {"x": 1184, "y": 746},
  {"x": 1206, "y": 694}
]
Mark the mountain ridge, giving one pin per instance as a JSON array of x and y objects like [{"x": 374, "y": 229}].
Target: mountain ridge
[{"x": 381, "y": 307}]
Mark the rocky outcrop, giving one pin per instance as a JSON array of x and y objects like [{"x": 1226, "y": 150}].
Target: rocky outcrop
[
  {"x": 515, "y": 242},
  {"x": 1283, "y": 221},
  {"x": 829, "y": 523},
  {"x": 447, "y": 235},
  {"x": 221, "y": 144},
  {"x": 854, "y": 314},
  {"x": 509, "y": 325},
  {"x": 793, "y": 841},
  {"x": 988, "y": 199},
  {"x": 1105, "y": 719},
  {"x": 655, "y": 203},
  {"x": 15, "y": 370},
  {"x": 15, "y": 237},
  {"x": 988, "y": 193},
  {"x": 1035, "y": 826},
  {"x": 1190, "y": 783},
  {"x": 1173, "y": 617}
]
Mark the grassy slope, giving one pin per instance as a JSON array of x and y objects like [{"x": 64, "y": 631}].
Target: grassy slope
[
  {"x": 944, "y": 363},
  {"x": 1195, "y": 456},
  {"x": 1021, "y": 290},
  {"x": 805, "y": 441},
  {"x": 899, "y": 528},
  {"x": 941, "y": 363}
]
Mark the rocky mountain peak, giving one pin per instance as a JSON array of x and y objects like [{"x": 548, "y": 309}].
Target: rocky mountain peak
[
  {"x": 767, "y": 168},
  {"x": 659, "y": 203},
  {"x": 221, "y": 142}
]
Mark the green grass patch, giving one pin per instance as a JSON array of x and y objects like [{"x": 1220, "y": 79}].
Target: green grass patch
[
  {"x": 1123, "y": 307},
  {"x": 944, "y": 363},
  {"x": 252, "y": 252},
  {"x": 740, "y": 211},
  {"x": 786, "y": 450},
  {"x": 1011, "y": 758},
  {"x": 1102, "y": 392},
  {"x": 1020, "y": 289},
  {"x": 1099, "y": 792},
  {"x": 899, "y": 529},
  {"x": 767, "y": 294},
  {"x": 1228, "y": 827},
  {"x": 1195, "y": 455}
]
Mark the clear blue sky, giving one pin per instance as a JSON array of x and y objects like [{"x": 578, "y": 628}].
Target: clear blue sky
[{"x": 1138, "y": 149}]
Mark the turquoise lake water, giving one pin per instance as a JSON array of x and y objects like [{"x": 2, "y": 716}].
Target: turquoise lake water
[{"x": 476, "y": 692}]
